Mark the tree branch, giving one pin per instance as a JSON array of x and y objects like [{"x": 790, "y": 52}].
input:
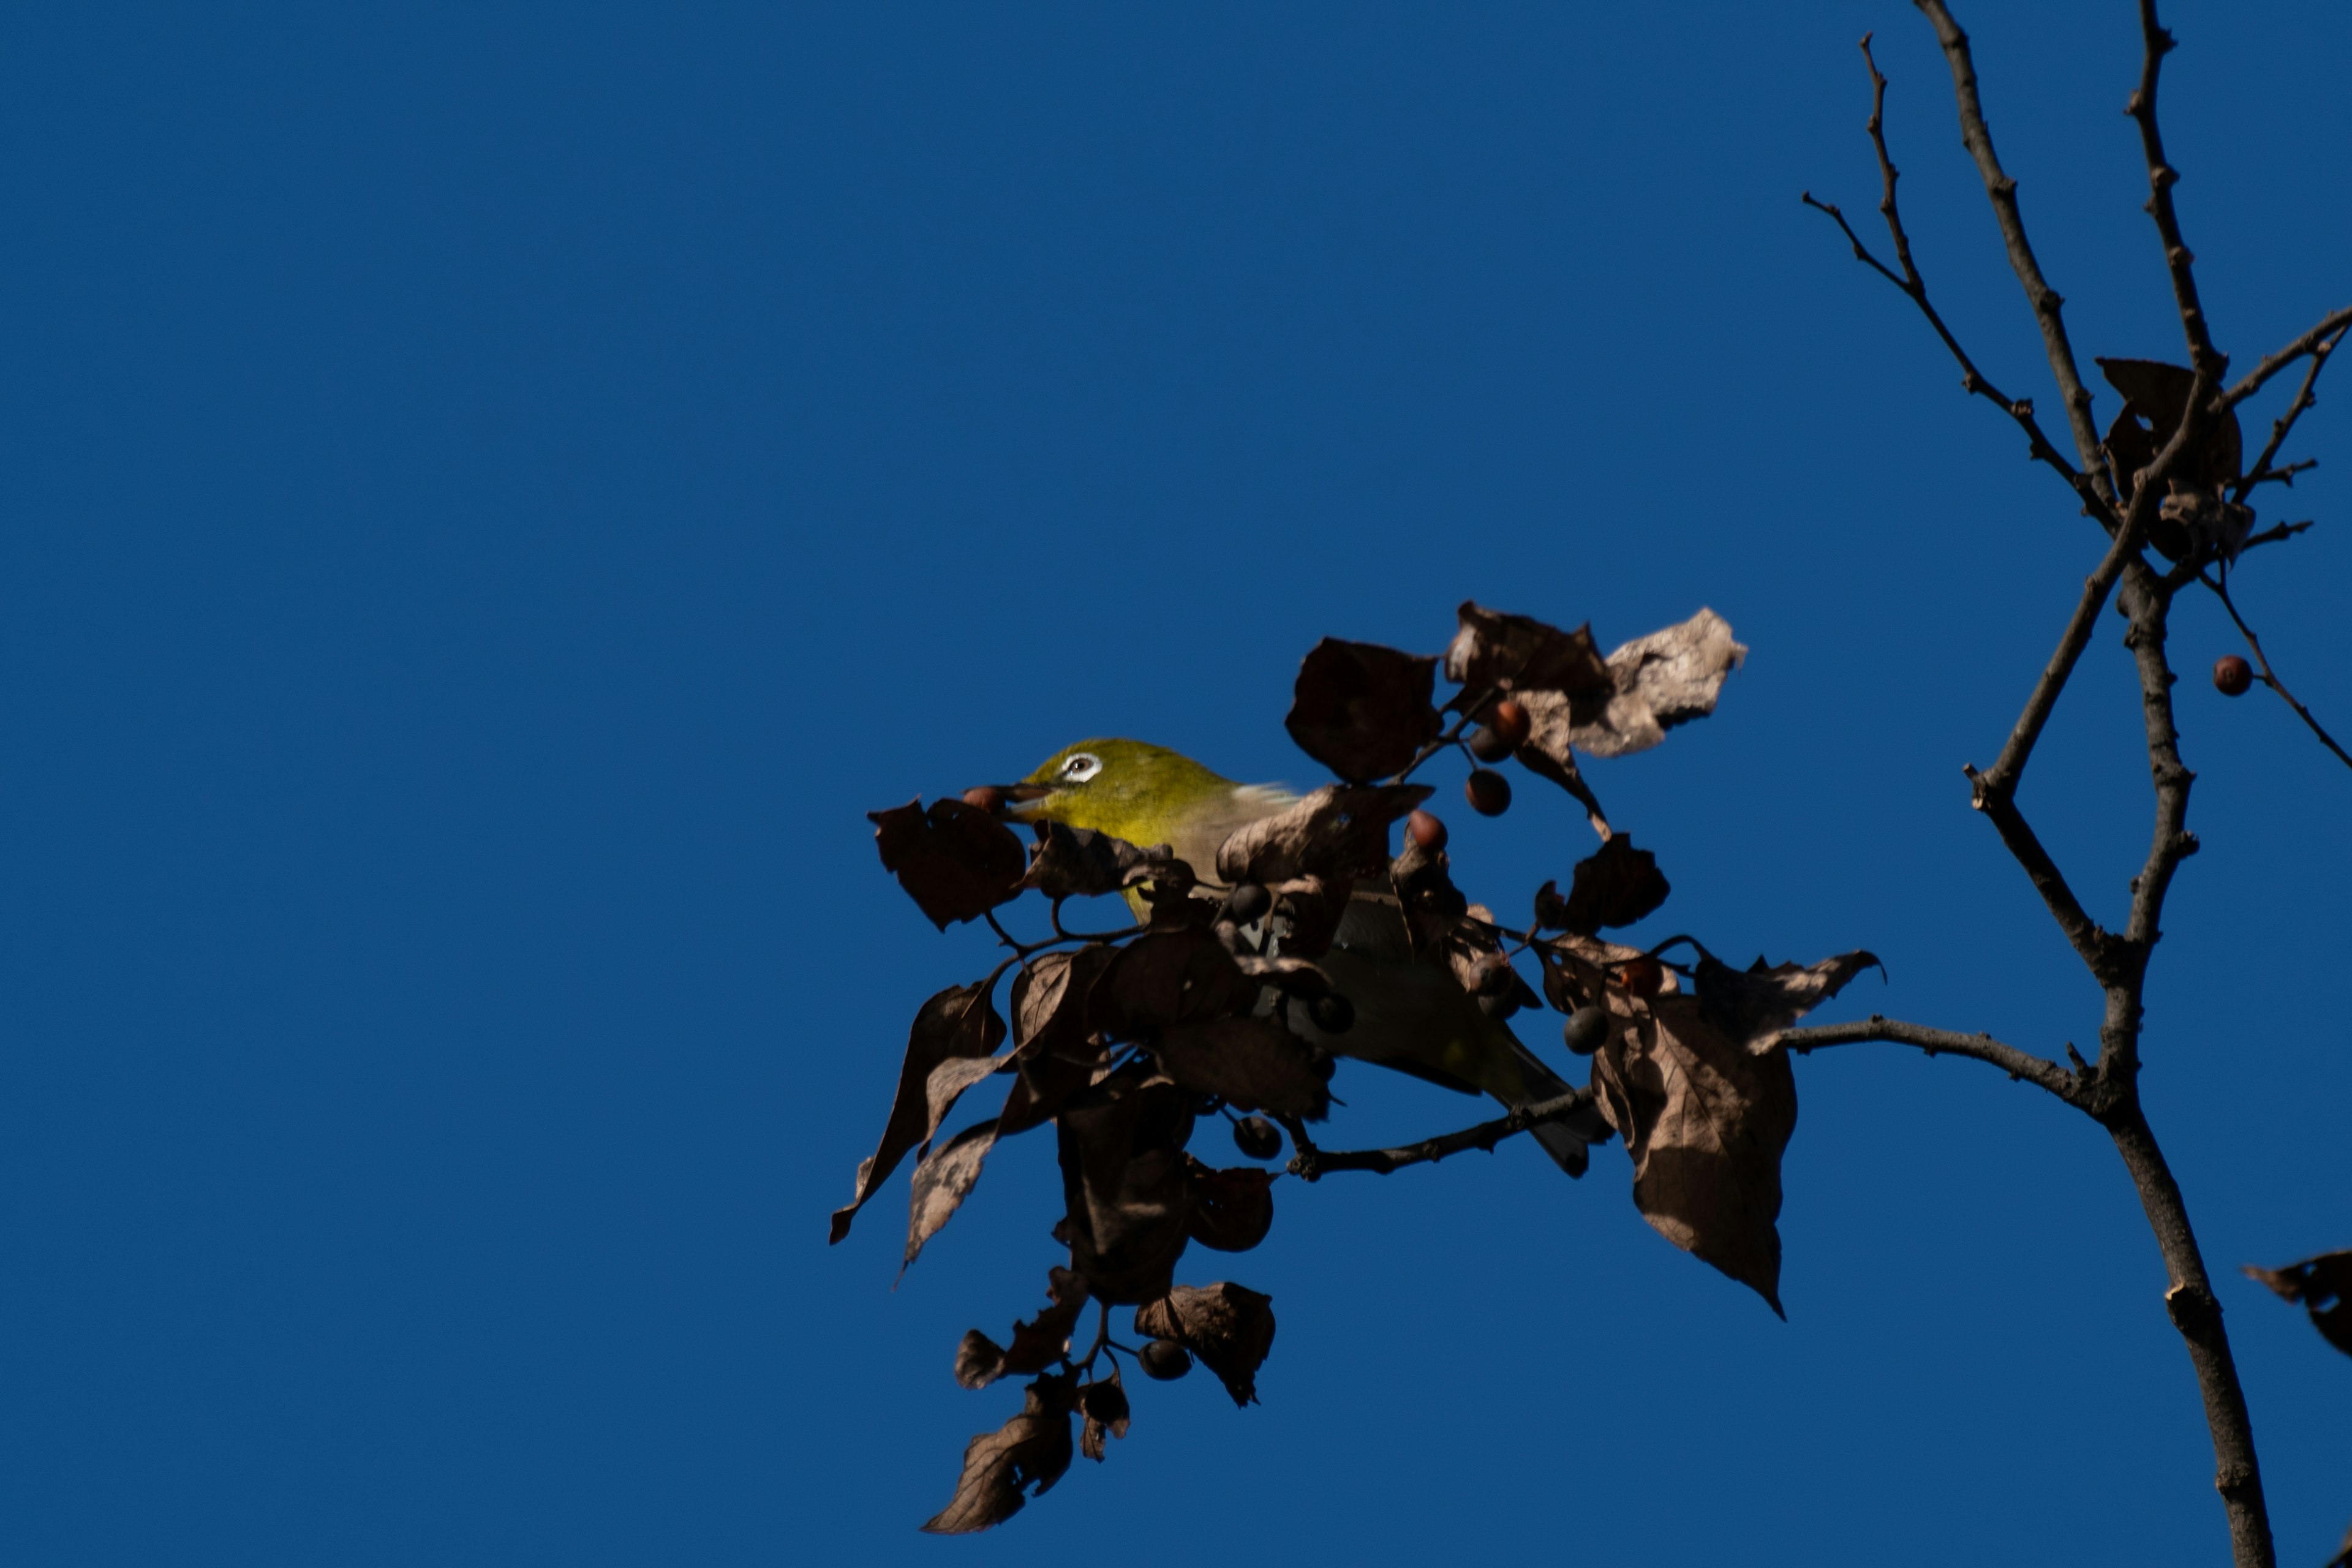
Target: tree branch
[
  {"x": 2149, "y": 604},
  {"x": 1310, "y": 1164},
  {"x": 2260, "y": 468},
  {"x": 2178, "y": 261},
  {"x": 2045, "y": 301},
  {"x": 1912, "y": 284},
  {"x": 2072, "y": 1088},
  {"x": 2329, "y": 326},
  {"x": 2196, "y": 1313}
]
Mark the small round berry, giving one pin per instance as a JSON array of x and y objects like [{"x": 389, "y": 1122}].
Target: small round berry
[
  {"x": 1487, "y": 745},
  {"x": 2233, "y": 675},
  {"x": 1488, "y": 791},
  {"x": 1248, "y": 903},
  {"x": 987, "y": 799},
  {"x": 1509, "y": 722},
  {"x": 1165, "y": 1359},
  {"x": 1257, "y": 1137},
  {"x": 1333, "y": 1013},
  {"x": 1585, "y": 1029},
  {"x": 1427, "y": 831},
  {"x": 1499, "y": 1003}
]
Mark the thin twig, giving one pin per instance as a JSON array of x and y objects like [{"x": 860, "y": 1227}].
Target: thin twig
[
  {"x": 2047, "y": 304},
  {"x": 2067, "y": 1085},
  {"x": 2178, "y": 261},
  {"x": 2329, "y": 326},
  {"x": 2302, "y": 400},
  {"x": 1914, "y": 284},
  {"x": 2270, "y": 676},
  {"x": 1310, "y": 1164}
]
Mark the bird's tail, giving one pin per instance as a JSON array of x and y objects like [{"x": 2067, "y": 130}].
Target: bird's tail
[{"x": 1565, "y": 1139}]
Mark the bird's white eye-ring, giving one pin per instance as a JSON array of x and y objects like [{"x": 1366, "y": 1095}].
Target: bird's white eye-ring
[{"x": 1081, "y": 767}]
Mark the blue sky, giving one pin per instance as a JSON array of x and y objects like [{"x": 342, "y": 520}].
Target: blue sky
[{"x": 495, "y": 494}]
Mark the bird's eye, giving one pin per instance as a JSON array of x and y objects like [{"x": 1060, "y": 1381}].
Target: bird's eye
[{"x": 1082, "y": 767}]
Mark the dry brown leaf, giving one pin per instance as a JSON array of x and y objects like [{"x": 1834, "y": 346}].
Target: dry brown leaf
[
  {"x": 1255, "y": 1063},
  {"x": 2157, "y": 392},
  {"x": 1361, "y": 709},
  {"x": 1578, "y": 969},
  {"x": 1164, "y": 978},
  {"x": 956, "y": 861},
  {"x": 1515, "y": 652},
  {"x": 1103, "y": 1403},
  {"x": 1614, "y": 887},
  {"x": 1666, "y": 678},
  {"x": 1079, "y": 862},
  {"x": 1311, "y": 909},
  {"x": 2323, "y": 1284},
  {"x": 1036, "y": 1345},
  {"x": 1233, "y": 1208},
  {"x": 944, "y": 1178},
  {"x": 1054, "y": 1050},
  {"x": 1004, "y": 1468},
  {"x": 1230, "y": 1327},
  {"x": 1122, "y": 1144},
  {"x": 1340, "y": 832},
  {"x": 1753, "y": 1007},
  {"x": 961, "y": 1022},
  {"x": 1705, "y": 1122}
]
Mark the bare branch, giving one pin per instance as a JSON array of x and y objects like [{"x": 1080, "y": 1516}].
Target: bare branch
[
  {"x": 2196, "y": 1313},
  {"x": 2161, "y": 177},
  {"x": 2067, "y": 1085},
  {"x": 2092, "y": 945},
  {"x": 1313, "y": 1164},
  {"x": 2270, "y": 676},
  {"x": 1912, "y": 284},
  {"x": 2330, "y": 326},
  {"x": 2146, "y": 600},
  {"x": 2002, "y": 778},
  {"x": 2260, "y": 468},
  {"x": 2002, "y": 191}
]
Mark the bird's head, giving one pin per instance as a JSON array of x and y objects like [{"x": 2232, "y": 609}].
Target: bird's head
[{"x": 1131, "y": 790}]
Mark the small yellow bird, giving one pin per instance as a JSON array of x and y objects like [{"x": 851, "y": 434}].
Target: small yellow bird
[{"x": 1410, "y": 1014}]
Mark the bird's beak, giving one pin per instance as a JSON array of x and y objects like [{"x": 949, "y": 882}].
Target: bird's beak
[{"x": 1015, "y": 801}]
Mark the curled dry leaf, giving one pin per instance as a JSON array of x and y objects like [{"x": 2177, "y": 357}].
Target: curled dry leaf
[
  {"x": 1705, "y": 1122},
  {"x": 1754, "y": 1007},
  {"x": 944, "y": 1178},
  {"x": 1614, "y": 887},
  {"x": 1578, "y": 969},
  {"x": 1233, "y": 1208},
  {"x": 960, "y": 1023},
  {"x": 1311, "y": 910},
  {"x": 1162, "y": 979},
  {"x": 1658, "y": 681},
  {"x": 1080, "y": 863},
  {"x": 1515, "y": 653},
  {"x": 2156, "y": 396},
  {"x": 1338, "y": 832},
  {"x": 1361, "y": 709},
  {"x": 1054, "y": 1050},
  {"x": 1255, "y": 1063},
  {"x": 956, "y": 861},
  {"x": 1004, "y": 1468},
  {"x": 1036, "y": 1345},
  {"x": 1229, "y": 1327},
  {"x": 2323, "y": 1284},
  {"x": 1130, "y": 1201},
  {"x": 1103, "y": 1403}
]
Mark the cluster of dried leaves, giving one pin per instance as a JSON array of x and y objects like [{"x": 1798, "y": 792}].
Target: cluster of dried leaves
[{"x": 1123, "y": 1041}]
